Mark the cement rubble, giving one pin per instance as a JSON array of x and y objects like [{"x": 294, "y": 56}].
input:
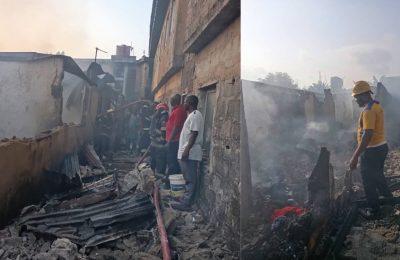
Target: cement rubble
[
  {"x": 190, "y": 235},
  {"x": 378, "y": 239}
]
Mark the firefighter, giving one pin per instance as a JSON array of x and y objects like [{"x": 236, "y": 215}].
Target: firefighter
[{"x": 158, "y": 151}]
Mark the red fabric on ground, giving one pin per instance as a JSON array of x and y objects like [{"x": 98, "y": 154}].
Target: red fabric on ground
[{"x": 286, "y": 210}]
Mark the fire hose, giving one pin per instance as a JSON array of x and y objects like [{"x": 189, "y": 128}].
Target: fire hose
[{"x": 166, "y": 252}]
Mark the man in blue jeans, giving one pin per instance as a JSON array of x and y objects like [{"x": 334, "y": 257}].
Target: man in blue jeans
[{"x": 190, "y": 152}]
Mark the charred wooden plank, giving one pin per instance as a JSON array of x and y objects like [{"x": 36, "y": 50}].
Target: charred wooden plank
[{"x": 321, "y": 193}]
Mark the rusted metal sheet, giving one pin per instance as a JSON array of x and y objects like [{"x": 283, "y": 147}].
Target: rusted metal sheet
[
  {"x": 88, "y": 199},
  {"x": 96, "y": 224}
]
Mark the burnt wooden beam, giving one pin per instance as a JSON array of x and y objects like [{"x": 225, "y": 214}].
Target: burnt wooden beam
[
  {"x": 320, "y": 186},
  {"x": 320, "y": 200},
  {"x": 341, "y": 235}
]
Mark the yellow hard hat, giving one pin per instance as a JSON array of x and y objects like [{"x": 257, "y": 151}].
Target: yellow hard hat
[{"x": 360, "y": 87}]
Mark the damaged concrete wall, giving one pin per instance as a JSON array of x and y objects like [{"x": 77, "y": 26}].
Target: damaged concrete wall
[
  {"x": 73, "y": 96},
  {"x": 30, "y": 96},
  {"x": 28, "y": 165}
]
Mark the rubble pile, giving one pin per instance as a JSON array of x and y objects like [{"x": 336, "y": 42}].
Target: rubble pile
[
  {"x": 297, "y": 169},
  {"x": 392, "y": 171},
  {"x": 124, "y": 234},
  {"x": 110, "y": 218},
  {"x": 392, "y": 163},
  {"x": 285, "y": 238},
  {"x": 378, "y": 239},
  {"x": 119, "y": 228},
  {"x": 28, "y": 245},
  {"x": 375, "y": 239},
  {"x": 262, "y": 236},
  {"x": 190, "y": 236},
  {"x": 96, "y": 224},
  {"x": 119, "y": 161}
]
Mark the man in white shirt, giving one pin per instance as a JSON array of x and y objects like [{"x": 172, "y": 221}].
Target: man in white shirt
[{"x": 190, "y": 152}]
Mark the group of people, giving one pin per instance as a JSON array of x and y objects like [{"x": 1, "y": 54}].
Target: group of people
[{"x": 176, "y": 144}]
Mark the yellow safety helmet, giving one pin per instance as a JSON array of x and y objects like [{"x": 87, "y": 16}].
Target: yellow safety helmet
[{"x": 360, "y": 87}]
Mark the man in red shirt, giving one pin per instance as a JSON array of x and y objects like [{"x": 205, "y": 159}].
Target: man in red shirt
[{"x": 173, "y": 131}]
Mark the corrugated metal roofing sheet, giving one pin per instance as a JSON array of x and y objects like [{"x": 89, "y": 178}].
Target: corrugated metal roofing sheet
[{"x": 96, "y": 224}]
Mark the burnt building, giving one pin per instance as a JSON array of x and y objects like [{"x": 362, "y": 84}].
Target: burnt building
[
  {"x": 48, "y": 110},
  {"x": 195, "y": 49}
]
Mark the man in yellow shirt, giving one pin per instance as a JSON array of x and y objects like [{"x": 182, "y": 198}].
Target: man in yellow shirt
[{"x": 372, "y": 146}]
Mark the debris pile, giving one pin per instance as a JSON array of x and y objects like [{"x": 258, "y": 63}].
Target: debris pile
[
  {"x": 375, "y": 239},
  {"x": 379, "y": 239},
  {"x": 392, "y": 172},
  {"x": 289, "y": 231},
  {"x": 191, "y": 236},
  {"x": 285, "y": 238},
  {"x": 111, "y": 217},
  {"x": 392, "y": 163},
  {"x": 96, "y": 224},
  {"x": 107, "y": 218},
  {"x": 143, "y": 244}
]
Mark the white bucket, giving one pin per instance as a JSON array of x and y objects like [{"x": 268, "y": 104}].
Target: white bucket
[{"x": 177, "y": 183}]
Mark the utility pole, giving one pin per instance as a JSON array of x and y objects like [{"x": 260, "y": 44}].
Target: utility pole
[{"x": 95, "y": 56}]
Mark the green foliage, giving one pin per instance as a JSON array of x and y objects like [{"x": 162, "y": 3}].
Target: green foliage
[{"x": 279, "y": 79}]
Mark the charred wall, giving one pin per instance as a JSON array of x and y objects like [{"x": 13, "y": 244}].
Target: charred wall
[
  {"x": 29, "y": 164},
  {"x": 29, "y": 102},
  {"x": 284, "y": 125}
]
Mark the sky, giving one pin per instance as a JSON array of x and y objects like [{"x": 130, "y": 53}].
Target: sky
[
  {"x": 76, "y": 27},
  {"x": 352, "y": 39}
]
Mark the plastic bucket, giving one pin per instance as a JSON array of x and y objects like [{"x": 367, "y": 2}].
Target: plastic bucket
[{"x": 177, "y": 183}]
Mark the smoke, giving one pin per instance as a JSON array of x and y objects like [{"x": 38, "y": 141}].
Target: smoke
[
  {"x": 46, "y": 26},
  {"x": 270, "y": 132},
  {"x": 374, "y": 60},
  {"x": 283, "y": 146}
]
